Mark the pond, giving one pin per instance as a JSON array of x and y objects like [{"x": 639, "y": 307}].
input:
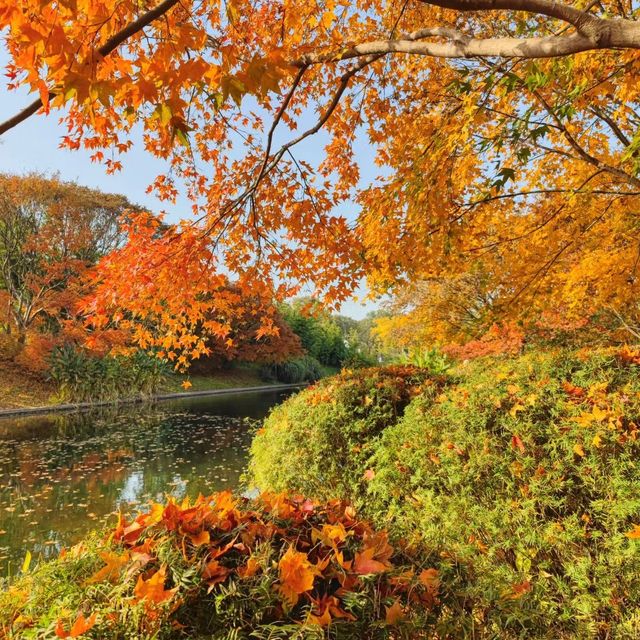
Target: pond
[{"x": 62, "y": 475}]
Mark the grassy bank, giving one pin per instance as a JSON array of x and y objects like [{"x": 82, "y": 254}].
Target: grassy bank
[{"x": 19, "y": 389}]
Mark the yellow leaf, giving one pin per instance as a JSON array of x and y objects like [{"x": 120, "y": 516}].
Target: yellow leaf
[
  {"x": 514, "y": 410},
  {"x": 578, "y": 450},
  {"x": 111, "y": 570},
  {"x": 27, "y": 562}
]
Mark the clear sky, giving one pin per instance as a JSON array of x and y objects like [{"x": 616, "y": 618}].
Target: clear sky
[{"x": 34, "y": 146}]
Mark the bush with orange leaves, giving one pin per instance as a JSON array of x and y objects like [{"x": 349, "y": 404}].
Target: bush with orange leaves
[
  {"x": 505, "y": 339},
  {"x": 227, "y": 567}
]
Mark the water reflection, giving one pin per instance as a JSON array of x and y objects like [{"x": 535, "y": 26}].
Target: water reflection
[{"x": 62, "y": 475}]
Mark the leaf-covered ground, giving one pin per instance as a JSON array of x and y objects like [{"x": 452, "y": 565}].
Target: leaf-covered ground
[{"x": 18, "y": 389}]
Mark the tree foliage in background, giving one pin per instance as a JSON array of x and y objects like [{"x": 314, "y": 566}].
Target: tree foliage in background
[
  {"x": 320, "y": 335},
  {"x": 506, "y": 134},
  {"x": 50, "y": 233}
]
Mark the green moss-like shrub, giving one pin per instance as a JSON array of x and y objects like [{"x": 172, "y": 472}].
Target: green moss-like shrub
[
  {"x": 226, "y": 568},
  {"x": 318, "y": 442},
  {"x": 522, "y": 482}
]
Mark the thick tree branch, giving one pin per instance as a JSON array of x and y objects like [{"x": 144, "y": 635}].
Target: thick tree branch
[
  {"x": 108, "y": 47},
  {"x": 615, "y": 34}
]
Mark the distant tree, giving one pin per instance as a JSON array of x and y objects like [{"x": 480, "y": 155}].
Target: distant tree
[
  {"x": 50, "y": 232},
  {"x": 436, "y": 311},
  {"x": 319, "y": 332},
  {"x": 362, "y": 342},
  {"x": 243, "y": 344}
]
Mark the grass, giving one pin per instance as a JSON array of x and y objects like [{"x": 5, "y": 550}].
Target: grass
[{"x": 241, "y": 375}]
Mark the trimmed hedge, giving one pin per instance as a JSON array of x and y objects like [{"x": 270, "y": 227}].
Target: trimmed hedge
[
  {"x": 319, "y": 441},
  {"x": 521, "y": 482}
]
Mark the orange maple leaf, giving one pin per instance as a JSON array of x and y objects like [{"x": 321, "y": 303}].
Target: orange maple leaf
[
  {"x": 518, "y": 590},
  {"x": 296, "y": 575},
  {"x": 152, "y": 590},
  {"x": 111, "y": 571},
  {"x": 198, "y": 539},
  {"x": 430, "y": 579},
  {"x": 365, "y": 562},
  {"x": 395, "y": 613},
  {"x": 79, "y": 627},
  {"x": 214, "y": 572},
  {"x": 634, "y": 534}
]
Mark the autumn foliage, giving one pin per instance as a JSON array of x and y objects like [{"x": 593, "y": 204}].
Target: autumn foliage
[
  {"x": 512, "y": 160},
  {"x": 274, "y": 566}
]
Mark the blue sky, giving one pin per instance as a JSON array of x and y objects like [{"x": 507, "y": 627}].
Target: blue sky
[{"x": 34, "y": 146}]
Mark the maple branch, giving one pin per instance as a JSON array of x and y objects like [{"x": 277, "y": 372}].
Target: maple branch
[
  {"x": 604, "y": 34},
  {"x": 624, "y": 323},
  {"x": 585, "y": 23},
  {"x": 271, "y": 162},
  {"x": 613, "y": 125},
  {"x": 519, "y": 194},
  {"x": 108, "y": 47},
  {"x": 276, "y": 120},
  {"x": 583, "y": 153}
]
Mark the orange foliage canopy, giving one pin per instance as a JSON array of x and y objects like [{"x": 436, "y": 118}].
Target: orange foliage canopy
[{"x": 501, "y": 146}]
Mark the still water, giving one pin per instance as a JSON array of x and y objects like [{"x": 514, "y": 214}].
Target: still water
[{"x": 62, "y": 475}]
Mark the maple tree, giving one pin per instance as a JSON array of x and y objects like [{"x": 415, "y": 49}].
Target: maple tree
[
  {"x": 505, "y": 132},
  {"x": 50, "y": 233}
]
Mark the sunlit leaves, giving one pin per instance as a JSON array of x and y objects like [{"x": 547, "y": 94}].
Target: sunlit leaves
[
  {"x": 78, "y": 628},
  {"x": 296, "y": 575}
]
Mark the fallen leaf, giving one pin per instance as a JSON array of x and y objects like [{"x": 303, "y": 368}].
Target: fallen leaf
[{"x": 395, "y": 613}]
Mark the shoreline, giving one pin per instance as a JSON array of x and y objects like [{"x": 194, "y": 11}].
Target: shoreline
[{"x": 87, "y": 406}]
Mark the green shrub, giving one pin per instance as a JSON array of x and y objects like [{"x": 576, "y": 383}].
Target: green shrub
[
  {"x": 85, "y": 378},
  {"x": 522, "y": 482},
  {"x": 303, "y": 369},
  {"x": 322, "y": 437},
  {"x": 226, "y": 568},
  {"x": 431, "y": 359},
  {"x": 358, "y": 360}
]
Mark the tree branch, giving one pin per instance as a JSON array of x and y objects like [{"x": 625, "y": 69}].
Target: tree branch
[
  {"x": 108, "y": 47},
  {"x": 616, "y": 34},
  {"x": 586, "y": 24}
]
